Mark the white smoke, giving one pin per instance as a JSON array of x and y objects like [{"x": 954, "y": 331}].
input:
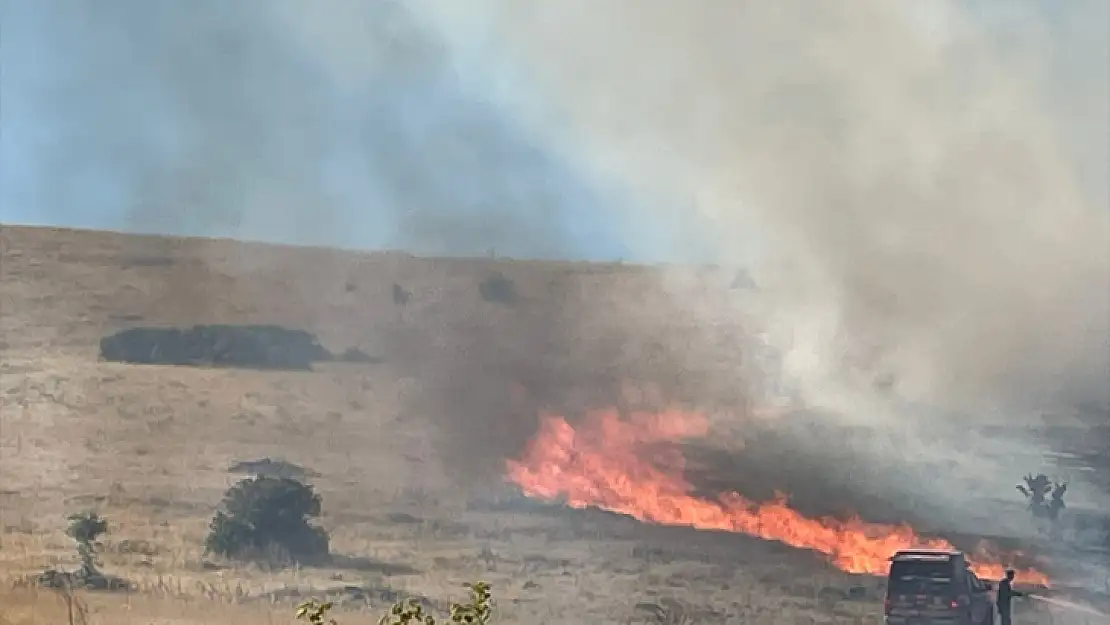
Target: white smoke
[{"x": 908, "y": 181}]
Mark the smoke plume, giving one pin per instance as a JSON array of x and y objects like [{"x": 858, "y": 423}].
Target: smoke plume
[
  {"x": 922, "y": 190},
  {"x": 921, "y": 193}
]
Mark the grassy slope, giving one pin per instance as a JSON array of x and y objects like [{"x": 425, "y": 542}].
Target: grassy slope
[{"x": 148, "y": 446}]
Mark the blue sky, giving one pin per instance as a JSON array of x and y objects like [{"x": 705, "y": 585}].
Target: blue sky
[{"x": 213, "y": 118}]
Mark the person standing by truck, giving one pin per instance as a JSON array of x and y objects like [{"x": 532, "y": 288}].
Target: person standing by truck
[{"x": 1006, "y": 593}]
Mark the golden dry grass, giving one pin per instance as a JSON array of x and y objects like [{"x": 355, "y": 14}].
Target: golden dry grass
[
  {"x": 27, "y": 606},
  {"x": 148, "y": 448}
]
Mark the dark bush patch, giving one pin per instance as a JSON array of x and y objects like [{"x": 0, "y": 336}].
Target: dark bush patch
[
  {"x": 497, "y": 288},
  {"x": 267, "y": 519},
  {"x": 253, "y": 346},
  {"x": 400, "y": 295}
]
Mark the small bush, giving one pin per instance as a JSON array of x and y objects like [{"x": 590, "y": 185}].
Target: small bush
[
  {"x": 400, "y": 295},
  {"x": 85, "y": 530},
  {"x": 267, "y": 518},
  {"x": 497, "y": 288}
]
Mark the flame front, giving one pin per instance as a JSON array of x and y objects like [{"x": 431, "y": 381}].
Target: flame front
[{"x": 600, "y": 465}]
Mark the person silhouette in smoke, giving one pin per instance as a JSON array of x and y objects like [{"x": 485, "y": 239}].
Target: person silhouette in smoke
[{"x": 1006, "y": 592}]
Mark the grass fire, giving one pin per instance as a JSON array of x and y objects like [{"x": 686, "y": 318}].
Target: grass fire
[{"x": 600, "y": 463}]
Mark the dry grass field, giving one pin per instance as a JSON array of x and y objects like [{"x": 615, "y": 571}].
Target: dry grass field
[{"x": 409, "y": 495}]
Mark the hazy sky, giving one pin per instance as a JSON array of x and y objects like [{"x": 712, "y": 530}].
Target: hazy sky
[
  {"x": 360, "y": 124},
  {"x": 340, "y": 123}
]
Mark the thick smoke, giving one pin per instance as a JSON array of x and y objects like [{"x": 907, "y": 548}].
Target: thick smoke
[
  {"x": 921, "y": 191},
  {"x": 911, "y": 182}
]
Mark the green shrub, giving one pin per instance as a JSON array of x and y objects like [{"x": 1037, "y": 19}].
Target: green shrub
[
  {"x": 268, "y": 518},
  {"x": 478, "y": 610}
]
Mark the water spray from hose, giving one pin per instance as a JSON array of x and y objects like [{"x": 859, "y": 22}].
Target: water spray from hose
[{"x": 1068, "y": 605}]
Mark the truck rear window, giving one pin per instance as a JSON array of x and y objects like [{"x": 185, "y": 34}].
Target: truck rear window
[{"x": 919, "y": 578}]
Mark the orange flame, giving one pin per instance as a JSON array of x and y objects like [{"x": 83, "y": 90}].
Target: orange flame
[{"x": 598, "y": 466}]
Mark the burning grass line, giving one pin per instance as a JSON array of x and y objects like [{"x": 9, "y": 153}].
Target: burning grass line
[{"x": 597, "y": 464}]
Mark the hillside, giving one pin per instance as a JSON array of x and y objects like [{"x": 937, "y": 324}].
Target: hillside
[
  {"x": 409, "y": 446},
  {"x": 148, "y": 446}
]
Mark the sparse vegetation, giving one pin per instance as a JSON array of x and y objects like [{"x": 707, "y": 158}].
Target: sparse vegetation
[
  {"x": 315, "y": 612},
  {"x": 267, "y": 518},
  {"x": 85, "y": 529},
  {"x": 478, "y": 610}
]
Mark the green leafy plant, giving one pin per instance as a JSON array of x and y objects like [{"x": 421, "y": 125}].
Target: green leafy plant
[
  {"x": 480, "y": 607},
  {"x": 478, "y": 610},
  {"x": 268, "y": 518},
  {"x": 315, "y": 612},
  {"x": 406, "y": 613}
]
